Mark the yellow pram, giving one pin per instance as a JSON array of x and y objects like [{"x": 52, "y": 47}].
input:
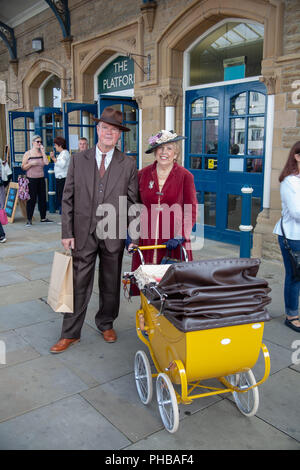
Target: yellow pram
[{"x": 202, "y": 320}]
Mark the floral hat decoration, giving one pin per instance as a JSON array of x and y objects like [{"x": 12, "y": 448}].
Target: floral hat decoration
[{"x": 163, "y": 137}]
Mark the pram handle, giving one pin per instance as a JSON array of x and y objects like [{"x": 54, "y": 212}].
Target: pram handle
[{"x": 139, "y": 249}]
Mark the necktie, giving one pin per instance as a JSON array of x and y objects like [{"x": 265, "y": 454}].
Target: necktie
[{"x": 102, "y": 167}]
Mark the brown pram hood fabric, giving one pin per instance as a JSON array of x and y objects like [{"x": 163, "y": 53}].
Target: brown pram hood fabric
[{"x": 211, "y": 294}]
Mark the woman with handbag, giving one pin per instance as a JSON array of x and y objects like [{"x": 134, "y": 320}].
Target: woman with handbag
[
  {"x": 33, "y": 163},
  {"x": 289, "y": 237},
  {"x": 168, "y": 194}
]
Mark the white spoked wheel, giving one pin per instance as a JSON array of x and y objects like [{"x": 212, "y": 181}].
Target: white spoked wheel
[
  {"x": 143, "y": 377},
  {"x": 167, "y": 403},
  {"x": 246, "y": 402}
]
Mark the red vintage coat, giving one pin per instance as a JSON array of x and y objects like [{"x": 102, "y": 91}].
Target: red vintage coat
[{"x": 158, "y": 222}]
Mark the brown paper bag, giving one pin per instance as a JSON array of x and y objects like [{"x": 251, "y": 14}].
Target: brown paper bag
[{"x": 60, "y": 293}]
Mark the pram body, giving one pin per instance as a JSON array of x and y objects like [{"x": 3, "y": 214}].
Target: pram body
[{"x": 203, "y": 320}]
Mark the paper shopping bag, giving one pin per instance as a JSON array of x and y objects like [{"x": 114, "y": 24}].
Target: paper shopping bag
[{"x": 60, "y": 294}]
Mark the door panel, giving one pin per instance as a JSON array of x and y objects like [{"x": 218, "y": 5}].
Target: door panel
[
  {"x": 225, "y": 150},
  {"x": 78, "y": 122},
  {"x": 21, "y": 129},
  {"x": 129, "y": 142}
]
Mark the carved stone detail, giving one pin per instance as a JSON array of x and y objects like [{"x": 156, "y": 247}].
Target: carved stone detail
[
  {"x": 67, "y": 45},
  {"x": 270, "y": 82},
  {"x": 169, "y": 98},
  {"x": 148, "y": 12}
]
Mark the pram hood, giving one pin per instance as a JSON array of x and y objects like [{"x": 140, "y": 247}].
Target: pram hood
[{"x": 211, "y": 294}]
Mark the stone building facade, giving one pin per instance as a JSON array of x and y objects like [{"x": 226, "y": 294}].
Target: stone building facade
[{"x": 157, "y": 36}]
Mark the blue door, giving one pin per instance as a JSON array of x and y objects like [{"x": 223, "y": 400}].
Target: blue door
[
  {"x": 78, "y": 122},
  {"x": 21, "y": 129},
  {"x": 225, "y": 150},
  {"x": 129, "y": 142}
]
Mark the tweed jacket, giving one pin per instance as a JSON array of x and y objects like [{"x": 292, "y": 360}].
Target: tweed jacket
[{"x": 79, "y": 193}]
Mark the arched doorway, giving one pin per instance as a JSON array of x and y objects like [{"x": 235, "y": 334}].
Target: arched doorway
[{"x": 225, "y": 117}]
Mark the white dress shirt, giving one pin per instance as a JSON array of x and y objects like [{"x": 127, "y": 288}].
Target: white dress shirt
[
  {"x": 290, "y": 202},
  {"x": 62, "y": 164},
  {"x": 107, "y": 158}
]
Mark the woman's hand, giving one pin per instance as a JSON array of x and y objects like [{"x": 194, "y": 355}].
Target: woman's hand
[{"x": 131, "y": 247}]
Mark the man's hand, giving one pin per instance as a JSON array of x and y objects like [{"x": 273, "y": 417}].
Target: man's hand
[{"x": 68, "y": 243}]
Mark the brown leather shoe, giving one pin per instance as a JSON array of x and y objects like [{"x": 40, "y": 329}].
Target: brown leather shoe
[
  {"x": 63, "y": 344},
  {"x": 109, "y": 335}
]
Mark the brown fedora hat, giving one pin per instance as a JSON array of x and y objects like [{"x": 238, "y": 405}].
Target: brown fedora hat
[{"x": 112, "y": 116}]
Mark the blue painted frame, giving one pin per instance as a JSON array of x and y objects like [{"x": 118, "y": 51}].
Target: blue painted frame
[
  {"x": 81, "y": 107},
  {"x": 16, "y": 166},
  {"x": 222, "y": 181},
  {"x": 109, "y": 100}
]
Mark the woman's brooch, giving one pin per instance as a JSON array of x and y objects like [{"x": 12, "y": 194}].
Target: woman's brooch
[{"x": 151, "y": 184}]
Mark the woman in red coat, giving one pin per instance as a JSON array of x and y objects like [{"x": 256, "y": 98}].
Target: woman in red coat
[{"x": 168, "y": 194}]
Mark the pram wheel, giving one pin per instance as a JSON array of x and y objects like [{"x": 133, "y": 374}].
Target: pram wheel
[
  {"x": 246, "y": 402},
  {"x": 167, "y": 403},
  {"x": 143, "y": 377}
]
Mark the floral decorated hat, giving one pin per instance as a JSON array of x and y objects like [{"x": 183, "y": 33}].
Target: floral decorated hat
[{"x": 163, "y": 137}]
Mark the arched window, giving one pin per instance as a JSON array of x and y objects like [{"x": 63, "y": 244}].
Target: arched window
[
  {"x": 50, "y": 92},
  {"x": 231, "y": 51}
]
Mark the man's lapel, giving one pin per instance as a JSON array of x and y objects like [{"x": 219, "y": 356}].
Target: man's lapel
[
  {"x": 88, "y": 169},
  {"x": 115, "y": 171}
]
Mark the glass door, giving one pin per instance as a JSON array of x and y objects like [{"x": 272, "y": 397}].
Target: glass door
[
  {"x": 129, "y": 142},
  {"x": 21, "y": 130},
  {"x": 203, "y": 149},
  {"x": 225, "y": 150},
  {"x": 78, "y": 122}
]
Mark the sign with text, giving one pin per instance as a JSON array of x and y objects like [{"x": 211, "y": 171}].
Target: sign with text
[
  {"x": 11, "y": 201},
  {"x": 117, "y": 76}
]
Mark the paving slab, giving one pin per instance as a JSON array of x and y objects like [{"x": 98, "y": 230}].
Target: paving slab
[
  {"x": 68, "y": 424},
  {"x": 23, "y": 291},
  {"x": 118, "y": 400},
  {"x": 219, "y": 427},
  {"x": 17, "y": 349},
  {"x": 100, "y": 360},
  {"x": 35, "y": 383},
  {"x": 10, "y": 278},
  {"x": 279, "y": 402},
  {"x": 88, "y": 392},
  {"x": 16, "y": 315}
]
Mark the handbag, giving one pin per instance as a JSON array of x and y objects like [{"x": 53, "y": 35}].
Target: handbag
[
  {"x": 293, "y": 255},
  {"x": 23, "y": 183},
  {"x": 3, "y": 217},
  {"x": 60, "y": 293}
]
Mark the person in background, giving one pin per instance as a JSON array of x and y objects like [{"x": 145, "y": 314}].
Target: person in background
[
  {"x": 5, "y": 176},
  {"x": 34, "y": 161},
  {"x": 164, "y": 185},
  {"x": 83, "y": 144},
  {"x": 290, "y": 200},
  {"x": 61, "y": 165}
]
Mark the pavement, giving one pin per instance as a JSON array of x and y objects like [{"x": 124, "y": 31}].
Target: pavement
[{"x": 86, "y": 399}]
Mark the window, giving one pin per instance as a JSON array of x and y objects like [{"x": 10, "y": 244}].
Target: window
[{"x": 241, "y": 42}]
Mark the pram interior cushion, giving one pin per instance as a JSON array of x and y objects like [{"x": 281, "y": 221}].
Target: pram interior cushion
[{"x": 211, "y": 294}]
